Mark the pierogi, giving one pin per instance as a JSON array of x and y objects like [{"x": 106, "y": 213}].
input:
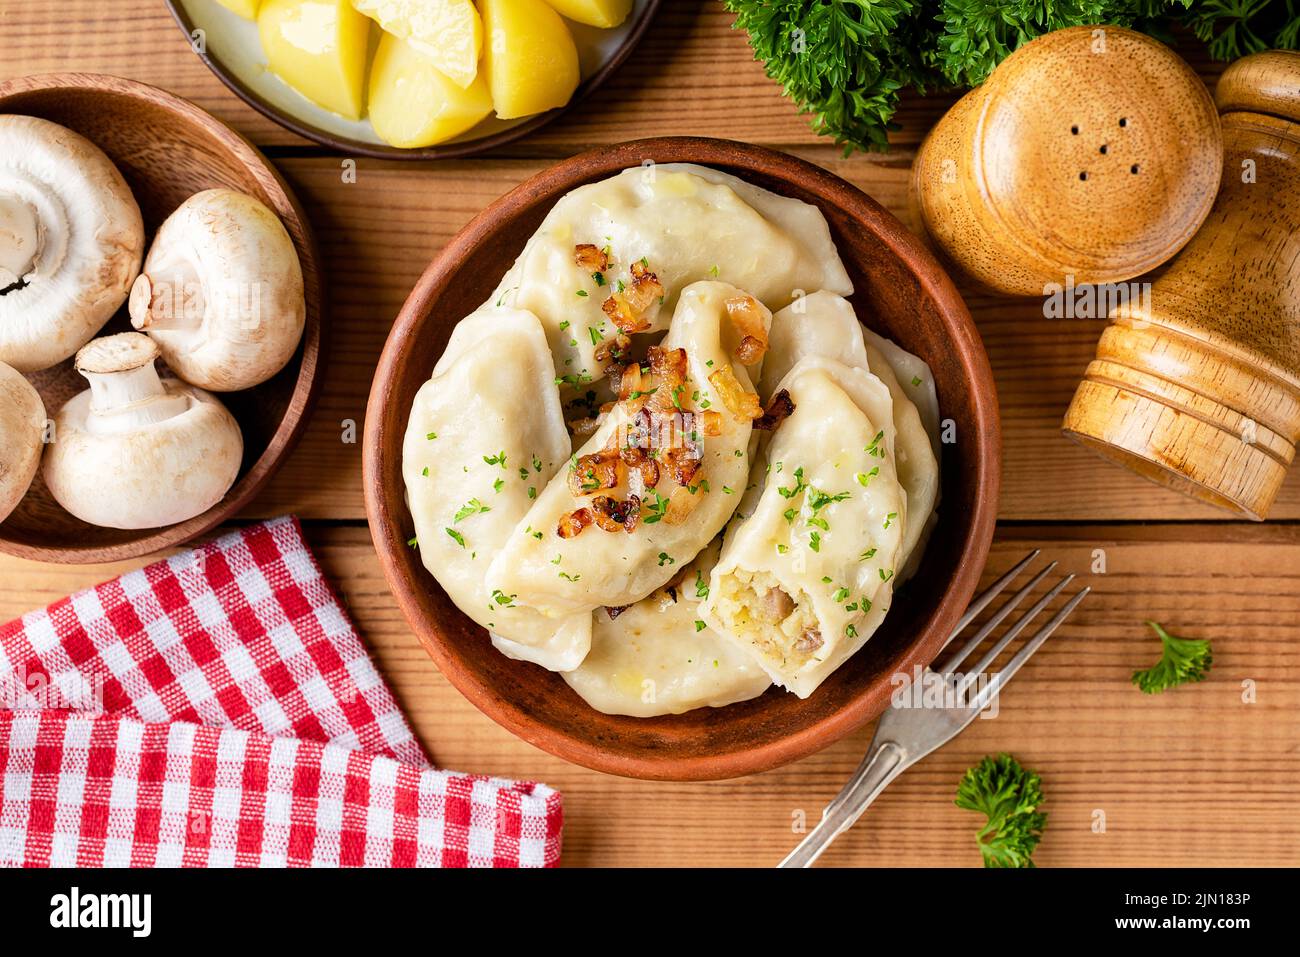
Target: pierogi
[
  {"x": 654, "y": 484},
  {"x": 806, "y": 578},
  {"x": 658, "y": 657},
  {"x": 678, "y": 223},
  {"x": 825, "y": 325},
  {"x": 474, "y": 459},
  {"x": 631, "y": 472}
]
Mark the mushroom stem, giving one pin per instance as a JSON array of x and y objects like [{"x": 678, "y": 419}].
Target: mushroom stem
[
  {"x": 126, "y": 392},
  {"x": 19, "y": 240},
  {"x": 166, "y": 304}
]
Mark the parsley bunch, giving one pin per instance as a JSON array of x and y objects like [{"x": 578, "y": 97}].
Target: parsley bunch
[
  {"x": 1009, "y": 797},
  {"x": 1182, "y": 660},
  {"x": 845, "y": 62}
]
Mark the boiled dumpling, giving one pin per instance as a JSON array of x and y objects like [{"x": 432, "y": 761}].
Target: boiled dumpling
[
  {"x": 485, "y": 436},
  {"x": 805, "y": 579},
  {"x": 822, "y": 324},
  {"x": 825, "y": 325},
  {"x": 916, "y": 379},
  {"x": 613, "y": 257},
  {"x": 656, "y": 482},
  {"x": 657, "y": 657}
]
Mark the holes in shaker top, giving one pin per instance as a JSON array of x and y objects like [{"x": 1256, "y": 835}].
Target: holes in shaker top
[
  {"x": 1083, "y": 175},
  {"x": 1074, "y": 130},
  {"x": 1133, "y": 169},
  {"x": 1123, "y": 121},
  {"x": 1104, "y": 149}
]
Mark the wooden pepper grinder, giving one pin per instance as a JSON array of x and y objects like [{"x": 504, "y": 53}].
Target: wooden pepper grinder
[
  {"x": 1198, "y": 388},
  {"x": 1090, "y": 155}
]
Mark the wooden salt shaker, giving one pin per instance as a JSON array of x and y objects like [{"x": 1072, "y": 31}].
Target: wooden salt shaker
[
  {"x": 1090, "y": 155},
  {"x": 1199, "y": 387}
]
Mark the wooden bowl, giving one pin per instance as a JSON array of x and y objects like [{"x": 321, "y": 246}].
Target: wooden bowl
[
  {"x": 167, "y": 149},
  {"x": 314, "y": 123},
  {"x": 901, "y": 291}
]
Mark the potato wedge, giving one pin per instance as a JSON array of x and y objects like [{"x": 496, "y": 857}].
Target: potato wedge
[
  {"x": 531, "y": 59},
  {"x": 414, "y": 104},
  {"x": 449, "y": 32},
  {"x": 320, "y": 48}
]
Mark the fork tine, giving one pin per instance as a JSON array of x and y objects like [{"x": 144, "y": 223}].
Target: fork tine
[
  {"x": 991, "y": 655},
  {"x": 1033, "y": 644},
  {"x": 982, "y": 602},
  {"x": 997, "y": 618}
]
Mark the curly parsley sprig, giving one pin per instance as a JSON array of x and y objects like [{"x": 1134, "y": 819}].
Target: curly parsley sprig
[
  {"x": 1009, "y": 796},
  {"x": 1182, "y": 660},
  {"x": 845, "y": 62}
]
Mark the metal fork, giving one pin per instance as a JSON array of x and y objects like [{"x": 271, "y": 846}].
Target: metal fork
[{"x": 905, "y": 735}]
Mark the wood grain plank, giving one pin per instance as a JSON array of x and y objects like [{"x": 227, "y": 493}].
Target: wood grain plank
[
  {"x": 1194, "y": 776},
  {"x": 380, "y": 232}
]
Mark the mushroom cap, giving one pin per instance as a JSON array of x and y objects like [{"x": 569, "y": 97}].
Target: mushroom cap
[
  {"x": 89, "y": 241},
  {"x": 163, "y": 473},
  {"x": 227, "y": 257},
  {"x": 22, "y": 431}
]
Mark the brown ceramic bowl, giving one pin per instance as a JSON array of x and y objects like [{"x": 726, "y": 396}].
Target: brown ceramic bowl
[
  {"x": 901, "y": 291},
  {"x": 167, "y": 149},
  {"x": 486, "y": 136}
]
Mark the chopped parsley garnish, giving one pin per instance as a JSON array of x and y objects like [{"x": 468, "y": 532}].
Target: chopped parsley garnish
[
  {"x": 582, "y": 293},
  {"x": 431, "y": 436},
  {"x": 666, "y": 559},
  {"x": 502, "y": 599},
  {"x": 864, "y": 478},
  {"x": 456, "y": 536},
  {"x": 472, "y": 507},
  {"x": 701, "y": 586},
  {"x": 658, "y": 509},
  {"x": 700, "y": 626}
]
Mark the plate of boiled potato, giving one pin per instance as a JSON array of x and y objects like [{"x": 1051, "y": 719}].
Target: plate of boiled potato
[{"x": 420, "y": 79}]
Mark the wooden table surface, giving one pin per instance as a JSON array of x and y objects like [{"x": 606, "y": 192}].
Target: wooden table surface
[{"x": 1205, "y": 774}]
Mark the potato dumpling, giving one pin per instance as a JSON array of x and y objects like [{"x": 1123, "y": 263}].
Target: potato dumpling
[
  {"x": 245, "y": 8},
  {"x": 414, "y": 104},
  {"x": 447, "y": 31},
  {"x": 531, "y": 59},
  {"x": 594, "y": 13},
  {"x": 318, "y": 47}
]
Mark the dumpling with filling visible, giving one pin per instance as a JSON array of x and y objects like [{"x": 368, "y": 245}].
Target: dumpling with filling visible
[
  {"x": 485, "y": 435},
  {"x": 806, "y": 578},
  {"x": 655, "y": 483}
]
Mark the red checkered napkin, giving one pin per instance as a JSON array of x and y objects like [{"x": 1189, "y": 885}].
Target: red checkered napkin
[{"x": 218, "y": 709}]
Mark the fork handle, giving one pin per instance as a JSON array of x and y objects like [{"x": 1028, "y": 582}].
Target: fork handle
[{"x": 884, "y": 763}]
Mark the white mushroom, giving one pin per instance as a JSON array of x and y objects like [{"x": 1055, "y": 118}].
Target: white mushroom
[
  {"x": 71, "y": 240},
  {"x": 22, "y": 431},
  {"x": 221, "y": 292},
  {"x": 136, "y": 450}
]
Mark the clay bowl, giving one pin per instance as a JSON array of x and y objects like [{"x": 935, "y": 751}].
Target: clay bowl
[
  {"x": 601, "y": 52},
  {"x": 901, "y": 291},
  {"x": 167, "y": 149}
]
